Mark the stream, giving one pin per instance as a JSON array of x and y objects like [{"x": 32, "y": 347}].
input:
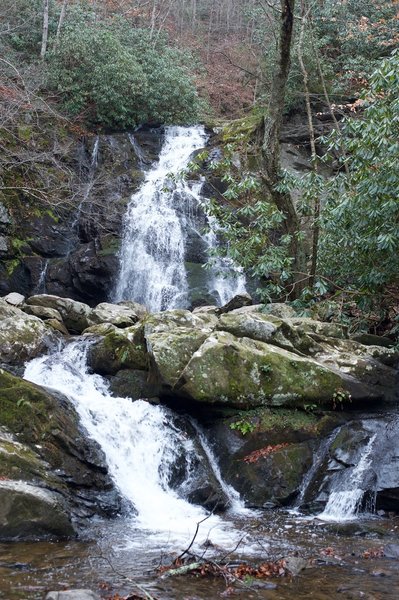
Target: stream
[{"x": 142, "y": 444}]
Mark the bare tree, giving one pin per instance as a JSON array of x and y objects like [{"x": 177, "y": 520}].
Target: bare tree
[
  {"x": 271, "y": 144},
  {"x": 45, "y": 28}
]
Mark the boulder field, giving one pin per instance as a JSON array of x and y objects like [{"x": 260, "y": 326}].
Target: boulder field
[{"x": 266, "y": 384}]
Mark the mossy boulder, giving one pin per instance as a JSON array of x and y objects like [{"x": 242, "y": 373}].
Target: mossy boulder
[
  {"x": 270, "y": 475},
  {"x": 23, "y": 337},
  {"x": 119, "y": 349},
  {"x": 244, "y": 373},
  {"x": 170, "y": 351}
]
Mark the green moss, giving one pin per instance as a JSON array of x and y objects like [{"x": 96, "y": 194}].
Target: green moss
[
  {"x": 241, "y": 130},
  {"x": 11, "y": 265},
  {"x": 24, "y": 132}
]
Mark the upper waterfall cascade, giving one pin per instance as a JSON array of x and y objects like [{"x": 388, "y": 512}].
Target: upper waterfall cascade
[{"x": 159, "y": 220}]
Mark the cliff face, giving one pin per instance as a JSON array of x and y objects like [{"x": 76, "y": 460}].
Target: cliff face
[{"x": 63, "y": 194}]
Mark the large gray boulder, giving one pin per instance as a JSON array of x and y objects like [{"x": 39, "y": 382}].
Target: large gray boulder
[
  {"x": 75, "y": 315},
  {"x": 118, "y": 315},
  {"x": 22, "y": 336},
  {"x": 31, "y": 512}
]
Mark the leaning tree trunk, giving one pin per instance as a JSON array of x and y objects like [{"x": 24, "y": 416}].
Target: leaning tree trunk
[
  {"x": 45, "y": 29},
  {"x": 271, "y": 146}
]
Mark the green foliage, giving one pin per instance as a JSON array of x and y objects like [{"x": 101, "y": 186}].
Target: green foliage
[
  {"x": 360, "y": 241},
  {"x": 120, "y": 77},
  {"x": 354, "y": 36},
  {"x": 243, "y": 425},
  {"x": 250, "y": 223}
]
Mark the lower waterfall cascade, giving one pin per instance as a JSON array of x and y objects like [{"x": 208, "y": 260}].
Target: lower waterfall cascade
[
  {"x": 159, "y": 218},
  {"x": 141, "y": 444}
]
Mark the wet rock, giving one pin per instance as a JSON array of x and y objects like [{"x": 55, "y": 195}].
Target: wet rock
[
  {"x": 72, "y": 595},
  {"x": 134, "y": 384},
  {"x": 237, "y": 302},
  {"x": 30, "y": 512},
  {"x": 5, "y": 219},
  {"x": 295, "y": 564},
  {"x": 75, "y": 315},
  {"x": 93, "y": 267},
  {"x": 391, "y": 551},
  {"x": 120, "y": 316}
]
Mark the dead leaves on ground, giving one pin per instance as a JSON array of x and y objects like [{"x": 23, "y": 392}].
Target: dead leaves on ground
[{"x": 263, "y": 452}]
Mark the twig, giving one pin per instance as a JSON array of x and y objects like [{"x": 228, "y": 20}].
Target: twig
[{"x": 193, "y": 539}]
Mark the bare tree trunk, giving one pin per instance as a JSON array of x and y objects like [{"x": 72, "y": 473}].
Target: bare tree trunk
[
  {"x": 45, "y": 29},
  {"x": 316, "y": 206},
  {"x": 271, "y": 146},
  {"x": 61, "y": 20}
]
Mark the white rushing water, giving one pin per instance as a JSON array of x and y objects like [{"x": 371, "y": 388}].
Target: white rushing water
[
  {"x": 156, "y": 227},
  {"x": 141, "y": 443},
  {"x": 344, "y": 502}
]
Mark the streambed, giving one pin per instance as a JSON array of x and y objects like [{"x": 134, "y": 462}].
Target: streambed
[{"x": 337, "y": 568}]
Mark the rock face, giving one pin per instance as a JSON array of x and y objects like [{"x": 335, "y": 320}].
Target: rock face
[
  {"x": 71, "y": 250},
  {"x": 290, "y": 382}
]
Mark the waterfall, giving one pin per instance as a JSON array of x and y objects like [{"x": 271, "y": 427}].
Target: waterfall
[
  {"x": 345, "y": 501},
  {"x": 90, "y": 181},
  {"x": 137, "y": 150},
  {"x": 142, "y": 443},
  {"x": 159, "y": 219},
  {"x": 41, "y": 284}
]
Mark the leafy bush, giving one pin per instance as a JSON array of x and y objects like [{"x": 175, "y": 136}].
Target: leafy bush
[
  {"x": 360, "y": 242},
  {"x": 120, "y": 77}
]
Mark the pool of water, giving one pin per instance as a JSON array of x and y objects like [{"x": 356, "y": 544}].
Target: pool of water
[{"x": 342, "y": 561}]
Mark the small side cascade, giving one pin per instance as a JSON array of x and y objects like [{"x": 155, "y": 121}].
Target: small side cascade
[
  {"x": 41, "y": 284},
  {"x": 141, "y": 161},
  {"x": 318, "y": 459},
  {"x": 89, "y": 183},
  {"x": 226, "y": 280},
  {"x": 345, "y": 501}
]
